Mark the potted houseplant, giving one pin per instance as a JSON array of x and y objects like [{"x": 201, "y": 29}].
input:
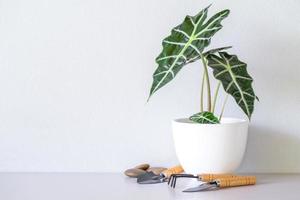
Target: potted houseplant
[{"x": 205, "y": 142}]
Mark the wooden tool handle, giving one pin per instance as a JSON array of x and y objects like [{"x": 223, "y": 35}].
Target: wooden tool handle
[
  {"x": 173, "y": 170},
  {"x": 236, "y": 181},
  {"x": 212, "y": 177}
]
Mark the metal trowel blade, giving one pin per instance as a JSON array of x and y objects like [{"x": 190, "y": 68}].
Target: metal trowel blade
[
  {"x": 149, "y": 178},
  {"x": 201, "y": 187}
]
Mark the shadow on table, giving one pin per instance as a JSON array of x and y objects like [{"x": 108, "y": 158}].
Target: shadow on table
[{"x": 271, "y": 151}]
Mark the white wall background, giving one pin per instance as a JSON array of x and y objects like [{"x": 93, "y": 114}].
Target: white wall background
[{"x": 75, "y": 76}]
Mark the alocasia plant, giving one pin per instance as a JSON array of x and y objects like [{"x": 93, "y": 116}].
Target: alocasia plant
[{"x": 186, "y": 44}]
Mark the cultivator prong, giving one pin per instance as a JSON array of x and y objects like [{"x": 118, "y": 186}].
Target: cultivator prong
[{"x": 173, "y": 178}]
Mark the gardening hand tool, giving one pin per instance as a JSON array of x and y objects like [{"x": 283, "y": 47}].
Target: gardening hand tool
[
  {"x": 201, "y": 177},
  {"x": 150, "y": 177},
  {"x": 224, "y": 183}
]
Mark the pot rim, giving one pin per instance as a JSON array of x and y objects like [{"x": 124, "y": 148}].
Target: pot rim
[{"x": 224, "y": 122}]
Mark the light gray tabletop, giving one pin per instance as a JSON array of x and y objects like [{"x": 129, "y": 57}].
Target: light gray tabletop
[{"x": 106, "y": 186}]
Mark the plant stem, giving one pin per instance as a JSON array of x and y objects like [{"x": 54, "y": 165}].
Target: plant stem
[
  {"x": 223, "y": 107},
  {"x": 215, "y": 97},
  {"x": 207, "y": 83},
  {"x": 202, "y": 91}
]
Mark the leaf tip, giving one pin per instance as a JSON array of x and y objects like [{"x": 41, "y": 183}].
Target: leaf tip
[
  {"x": 148, "y": 99},
  {"x": 227, "y": 11}
]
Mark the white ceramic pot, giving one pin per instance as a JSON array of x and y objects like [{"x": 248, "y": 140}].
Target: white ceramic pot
[{"x": 210, "y": 148}]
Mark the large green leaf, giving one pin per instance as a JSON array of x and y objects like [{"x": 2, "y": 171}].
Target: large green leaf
[
  {"x": 235, "y": 79},
  {"x": 185, "y": 44},
  {"x": 205, "y": 118},
  {"x": 213, "y": 51}
]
